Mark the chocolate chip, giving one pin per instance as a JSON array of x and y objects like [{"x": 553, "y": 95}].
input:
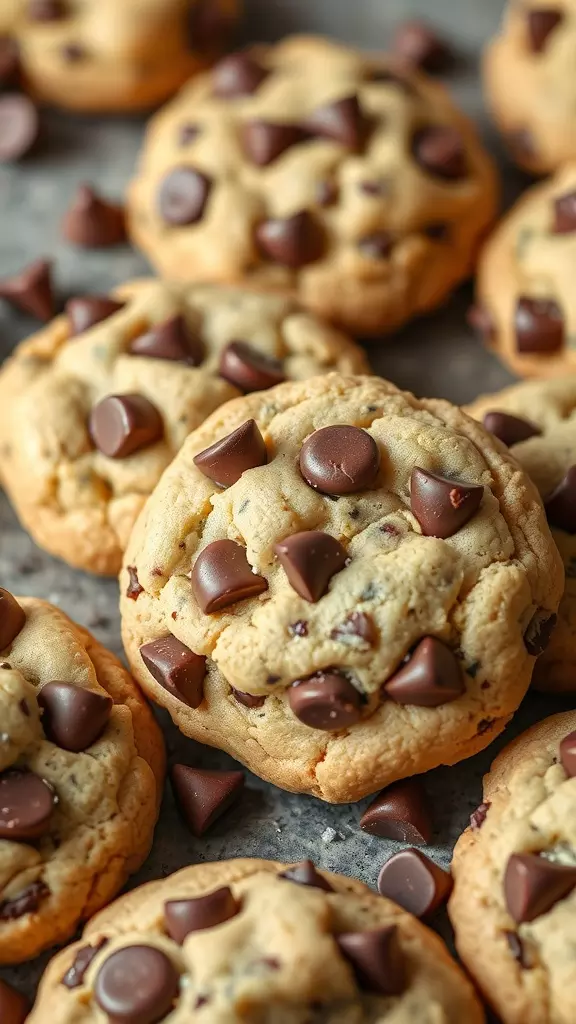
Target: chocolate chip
[
  {"x": 415, "y": 882},
  {"x": 532, "y": 885},
  {"x": 400, "y": 812},
  {"x": 225, "y": 461},
  {"x": 437, "y": 231},
  {"x": 86, "y": 311},
  {"x": 356, "y": 626},
  {"x": 429, "y": 678},
  {"x": 440, "y": 150},
  {"x": 194, "y": 915},
  {"x": 420, "y": 47},
  {"x": 481, "y": 322},
  {"x": 136, "y": 985},
  {"x": 9, "y": 61},
  {"x": 31, "y": 290},
  {"x": 326, "y": 700},
  {"x": 75, "y": 974},
  {"x": 264, "y": 141},
  {"x": 568, "y": 754},
  {"x": 74, "y": 717},
  {"x": 12, "y": 618},
  {"x": 565, "y": 214},
  {"x": 134, "y": 588},
  {"x": 310, "y": 559},
  {"x": 374, "y": 188},
  {"x": 222, "y": 575},
  {"x": 172, "y": 340},
  {"x": 376, "y": 959},
  {"x": 203, "y": 796},
  {"x": 26, "y": 902},
  {"x": 291, "y": 241},
  {"x": 305, "y": 873},
  {"x": 539, "y": 631},
  {"x": 187, "y": 133},
  {"x": 510, "y": 429},
  {"x": 298, "y": 628},
  {"x": 248, "y": 369},
  {"x": 182, "y": 195},
  {"x": 92, "y": 222},
  {"x": 26, "y": 805},
  {"x": 175, "y": 667},
  {"x": 442, "y": 506},
  {"x": 249, "y": 700},
  {"x": 478, "y": 817},
  {"x": 73, "y": 53},
  {"x": 239, "y": 74},
  {"x": 376, "y": 246},
  {"x": 539, "y": 325},
  {"x": 341, "y": 121},
  {"x": 516, "y": 948},
  {"x": 326, "y": 193},
  {"x": 19, "y": 126},
  {"x": 340, "y": 460},
  {"x": 14, "y": 1007},
  {"x": 560, "y": 506},
  {"x": 540, "y": 23},
  {"x": 121, "y": 425},
  {"x": 46, "y": 10}
]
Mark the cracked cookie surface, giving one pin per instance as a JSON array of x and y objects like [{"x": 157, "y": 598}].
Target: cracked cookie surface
[
  {"x": 77, "y": 478},
  {"x": 514, "y": 900},
  {"x": 314, "y": 169},
  {"x": 405, "y": 606},
  {"x": 81, "y": 772}
]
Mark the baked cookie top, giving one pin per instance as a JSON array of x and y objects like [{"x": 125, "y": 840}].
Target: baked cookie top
[
  {"x": 376, "y": 570},
  {"x": 78, "y": 463},
  {"x": 256, "y": 940},
  {"x": 514, "y": 900},
  {"x": 313, "y": 168},
  {"x": 81, "y": 771}
]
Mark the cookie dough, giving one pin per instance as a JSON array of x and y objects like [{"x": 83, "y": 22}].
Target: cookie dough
[
  {"x": 79, "y": 464},
  {"x": 254, "y": 940},
  {"x": 514, "y": 902},
  {"x": 529, "y": 80},
  {"x": 113, "y": 55},
  {"x": 320, "y": 171},
  {"x": 81, "y": 770},
  {"x": 340, "y": 615}
]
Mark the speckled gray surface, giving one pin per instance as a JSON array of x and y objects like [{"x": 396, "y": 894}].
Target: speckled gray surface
[{"x": 437, "y": 356}]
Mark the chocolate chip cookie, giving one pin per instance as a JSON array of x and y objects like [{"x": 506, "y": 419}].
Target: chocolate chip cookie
[
  {"x": 340, "y": 585},
  {"x": 256, "y": 940},
  {"x": 530, "y": 85},
  {"x": 81, "y": 769},
  {"x": 313, "y": 169},
  {"x": 94, "y": 407},
  {"x": 113, "y": 55},
  {"x": 514, "y": 901}
]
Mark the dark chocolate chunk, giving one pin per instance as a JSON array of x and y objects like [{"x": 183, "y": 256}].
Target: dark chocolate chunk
[
  {"x": 19, "y": 126},
  {"x": 539, "y": 631},
  {"x": 12, "y": 618},
  {"x": 539, "y": 325},
  {"x": 341, "y": 121},
  {"x": 74, "y": 717},
  {"x": 137, "y": 985},
  {"x": 249, "y": 369},
  {"x": 121, "y": 425},
  {"x": 171, "y": 339},
  {"x": 264, "y": 141},
  {"x": 183, "y": 195},
  {"x": 508, "y": 428},
  {"x": 92, "y": 222},
  {"x": 27, "y": 902},
  {"x": 326, "y": 700},
  {"x": 134, "y": 588},
  {"x": 194, "y": 915},
  {"x": 376, "y": 958},
  {"x": 175, "y": 667},
  {"x": 540, "y": 23},
  {"x": 75, "y": 974},
  {"x": 225, "y": 461},
  {"x": 310, "y": 559},
  {"x": 400, "y": 812},
  {"x": 340, "y": 460},
  {"x": 291, "y": 241},
  {"x": 31, "y": 290},
  {"x": 249, "y": 700},
  {"x": 222, "y": 575},
  {"x": 560, "y": 506},
  {"x": 358, "y": 626},
  {"x": 305, "y": 873},
  {"x": 419, "y": 47},
  {"x": 431, "y": 676},
  {"x": 86, "y": 311},
  {"x": 415, "y": 882},
  {"x": 533, "y": 885},
  {"x": 26, "y": 805},
  {"x": 239, "y": 74},
  {"x": 203, "y": 796},
  {"x": 442, "y": 506},
  {"x": 440, "y": 150}
]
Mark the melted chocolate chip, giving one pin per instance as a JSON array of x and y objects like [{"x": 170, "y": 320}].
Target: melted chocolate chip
[
  {"x": 26, "y": 902},
  {"x": 305, "y": 873},
  {"x": 539, "y": 631},
  {"x": 264, "y": 141},
  {"x": 326, "y": 700},
  {"x": 341, "y": 121},
  {"x": 291, "y": 241},
  {"x": 134, "y": 588}
]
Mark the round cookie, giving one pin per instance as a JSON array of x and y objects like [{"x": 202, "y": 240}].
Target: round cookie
[
  {"x": 537, "y": 420},
  {"x": 255, "y": 940},
  {"x": 341, "y": 616},
  {"x": 314, "y": 169},
  {"x": 514, "y": 901},
  {"x": 114, "y": 55},
  {"x": 525, "y": 300},
  {"x": 529, "y": 82},
  {"x": 81, "y": 771},
  {"x": 77, "y": 471}
]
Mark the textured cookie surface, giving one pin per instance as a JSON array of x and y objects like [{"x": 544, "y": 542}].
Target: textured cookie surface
[
  {"x": 81, "y": 767},
  {"x": 112, "y": 55},
  {"x": 309, "y": 167},
  {"x": 514, "y": 902},
  {"x": 167, "y": 344},
  {"x": 410, "y": 649},
  {"x": 269, "y": 950}
]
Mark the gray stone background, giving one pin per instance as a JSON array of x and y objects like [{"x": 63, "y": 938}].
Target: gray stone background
[{"x": 436, "y": 356}]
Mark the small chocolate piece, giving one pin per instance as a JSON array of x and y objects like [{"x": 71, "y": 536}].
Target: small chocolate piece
[
  {"x": 188, "y": 133},
  {"x": 92, "y": 222},
  {"x": 19, "y": 126},
  {"x": 440, "y": 150},
  {"x": 31, "y": 290},
  {"x": 26, "y": 805},
  {"x": 376, "y": 246},
  {"x": 356, "y": 626},
  {"x": 341, "y": 121},
  {"x": 539, "y": 631},
  {"x": 9, "y": 62},
  {"x": 14, "y": 1007},
  {"x": 340, "y": 460},
  {"x": 136, "y": 985},
  {"x": 415, "y": 882},
  {"x": 310, "y": 559},
  {"x": 222, "y": 575},
  {"x": 516, "y": 947},
  {"x": 26, "y": 902},
  {"x": 73, "y": 718},
  {"x": 264, "y": 141},
  {"x": 540, "y": 23},
  {"x": 400, "y": 812},
  {"x": 508, "y": 428},
  {"x": 568, "y": 754},
  {"x": 532, "y": 885},
  {"x": 431, "y": 676},
  {"x": 326, "y": 700},
  {"x": 522, "y": 146},
  {"x": 565, "y": 214},
  {"x": 305, "y": 873},
  {"x": 203, "y": 796},
  {"x": 12, "y": 618},
  {"x": 326, "y": 193},
  {"x": 291, "y": 241},
  {"x": 560, "y": 506},
  {"x": 482, "y": 324},
  {"x": 175, "y": 667},
  {"x": 121, "y": 425},
  {"x": 194, "y": 915},
  {"x": 183, "y": 195},
  {"x": 419, "y": 47},
  {"x": 478, "y": 817},
  {"x": 171, "y": 339},
  {"x": 376, "y": 958},
  {"x": 249, "y": 700},
  {"x": 134, "y": 588},
  {"x": 248, "y": 369},
  {"x": 225, "y": 461},
  {"x": 539, "y": 325},
  {"x": 85, "y": 311},
  {"x": 46, "y": 10},
  {"x": 75, "y": 974},
  {"x": 239, "y": 74},
  {"x": 437, "y": 231},
  {"x": 442, "y": 506},
  {"x": 73, "y": 53}
]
